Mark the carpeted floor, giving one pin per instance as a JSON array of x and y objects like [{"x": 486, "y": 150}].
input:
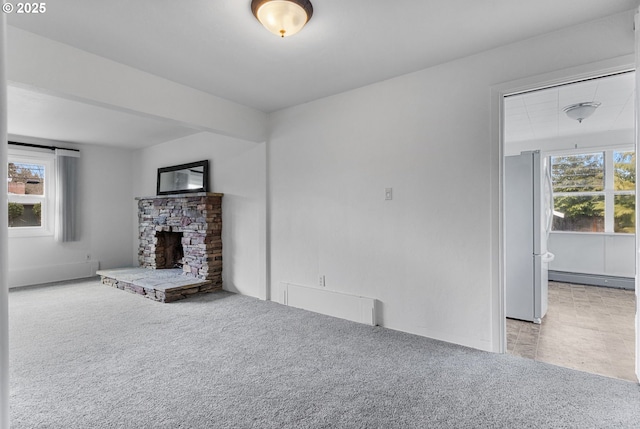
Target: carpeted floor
[{"x": 84, "y": 355}]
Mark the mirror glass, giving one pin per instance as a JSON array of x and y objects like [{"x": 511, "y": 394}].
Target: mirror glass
[{"x": 183, "y": 178}]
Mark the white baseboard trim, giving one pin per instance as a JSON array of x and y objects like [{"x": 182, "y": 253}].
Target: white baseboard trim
[
  {"x": 51, "y": 273},
  {"x": 344, "y": 306},
  {"x": 593, "y": 279}
]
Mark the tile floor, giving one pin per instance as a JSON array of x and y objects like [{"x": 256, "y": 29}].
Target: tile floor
[{"x": 587, "y": 328}]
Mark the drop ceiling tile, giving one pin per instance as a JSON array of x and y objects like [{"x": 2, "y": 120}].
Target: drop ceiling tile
[
  {"x": 542, "y": 96},
  {"x": 549, "y": 106},
  {"x": 613, "y": 98},
  {"x": 625, "y": 119},
  {"x": 577, "y": 93},
  {"x": 620, "y": 82},
  {"x": 546, "y": 118}
]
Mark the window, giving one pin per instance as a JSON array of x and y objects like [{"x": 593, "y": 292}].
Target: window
[
  {"x": 594, "y": 192},
  {"x": 30, "y": 193},
  {"x": 624, "y": 187}
]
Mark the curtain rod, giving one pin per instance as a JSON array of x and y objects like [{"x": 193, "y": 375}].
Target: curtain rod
[{"x": 39, "y": 146}]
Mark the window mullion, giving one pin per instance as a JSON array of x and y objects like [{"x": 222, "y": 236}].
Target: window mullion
[
  {"x": 579, "y": 194},
  {"x": 609, "y": 203}
]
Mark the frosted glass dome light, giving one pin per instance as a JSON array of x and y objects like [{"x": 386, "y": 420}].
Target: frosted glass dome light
[
  {"x": 581, "y": 111},
  {"x": 282, "y": 17}
]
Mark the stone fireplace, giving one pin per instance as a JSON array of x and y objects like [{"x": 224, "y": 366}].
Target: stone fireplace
[
  {"x": 182, "y": 230},
  {"x": 180, "y": 251}
]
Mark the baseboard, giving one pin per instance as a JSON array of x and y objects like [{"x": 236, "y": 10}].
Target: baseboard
[
  {"x": 593, "y": 280},
  {"x": 51, "y": 273},
  {"x": 345, "y": 306}
]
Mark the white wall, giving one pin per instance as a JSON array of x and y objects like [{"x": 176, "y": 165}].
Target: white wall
[
  {"x": 105, "y": 228},
  {"x": 237, "y": 169},
  {"x": 430, "y": 255},
  {"x": 597, "y": 254}
]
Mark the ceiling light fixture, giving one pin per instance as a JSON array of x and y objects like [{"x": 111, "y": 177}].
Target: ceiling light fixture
[
  {"x": 581, "y": 111},
  {"x": 282, "y": 17}
]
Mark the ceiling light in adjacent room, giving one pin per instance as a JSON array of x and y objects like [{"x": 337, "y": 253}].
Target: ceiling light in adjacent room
[
  {"x": 282, "y": 17},
  {"x": 581, "y": 111}
]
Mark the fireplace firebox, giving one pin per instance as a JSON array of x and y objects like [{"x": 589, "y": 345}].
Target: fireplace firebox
[{"x": 169, "y": 251}]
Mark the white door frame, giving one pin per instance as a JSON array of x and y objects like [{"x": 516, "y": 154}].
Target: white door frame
[
  {"x": 4, "y": 262},
  {"x": 636, "y": 29},
  {"x": 615, "y": 65}
]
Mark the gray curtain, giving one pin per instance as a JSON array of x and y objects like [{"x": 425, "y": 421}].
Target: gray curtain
[{"x": 67, "y": 195}]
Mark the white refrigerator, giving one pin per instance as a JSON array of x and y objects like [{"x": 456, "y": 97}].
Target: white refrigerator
[{"x": 528, "y": 203}]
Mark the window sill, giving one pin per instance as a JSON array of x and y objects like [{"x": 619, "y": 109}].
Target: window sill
[
  {"x": 617, "y": 234},
  {"x": 27, "y": 232}
]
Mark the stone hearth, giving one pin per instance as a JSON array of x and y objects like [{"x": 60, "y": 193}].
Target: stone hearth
[
  {"x": 178, "y": 234},
  {"x": 159, "y": 285}
]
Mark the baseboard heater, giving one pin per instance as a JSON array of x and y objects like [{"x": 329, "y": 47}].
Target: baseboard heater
[
  {"x": 344, "y": 306},
  {"x": 593, "y": 279}
]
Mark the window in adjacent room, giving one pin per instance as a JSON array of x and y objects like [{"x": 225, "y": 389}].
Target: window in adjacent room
[
  {"x": 30, "y": 193},
  {"x": 594, "y": 192}
]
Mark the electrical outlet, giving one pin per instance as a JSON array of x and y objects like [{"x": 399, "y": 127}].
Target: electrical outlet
[
  {"x": 388, "y": 193},
  {"x": 321, "y": 282}
]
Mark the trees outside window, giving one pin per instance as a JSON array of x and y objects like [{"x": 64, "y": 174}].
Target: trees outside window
[
  {"x": 594, "y": 192},
  {"x": 26, "y": 185},
  {"x": 624, "y": 164},
  {"x": 30, "y": 193}
]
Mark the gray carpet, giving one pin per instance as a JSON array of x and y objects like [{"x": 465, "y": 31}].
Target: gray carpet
[{"x": 84, "y": 355}]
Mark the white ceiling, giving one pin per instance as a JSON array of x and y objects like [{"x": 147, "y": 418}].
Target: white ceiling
[
  {"x": 73, "y": 121},
  {"x": 218, "y": 47},
  {"x": 539, "y": 115}
]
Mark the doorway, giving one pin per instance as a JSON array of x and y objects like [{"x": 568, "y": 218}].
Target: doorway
[{"x": 585, "y": 132}]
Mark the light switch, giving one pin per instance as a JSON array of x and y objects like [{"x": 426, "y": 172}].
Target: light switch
[{"x": 388, "y": 193}]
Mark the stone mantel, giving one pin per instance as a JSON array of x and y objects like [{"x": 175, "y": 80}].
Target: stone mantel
[{"x": 184, "y": 195}]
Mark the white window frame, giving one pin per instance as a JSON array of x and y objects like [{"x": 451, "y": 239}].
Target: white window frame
[
  {"x": 608, "y": 192},
  {"x": 47, "y": 217}
]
